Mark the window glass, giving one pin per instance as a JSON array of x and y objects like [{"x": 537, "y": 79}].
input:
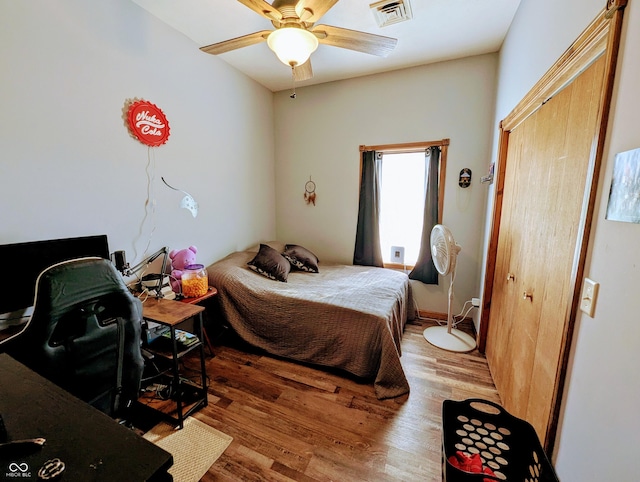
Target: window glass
[{"x": 402, "y": 197}]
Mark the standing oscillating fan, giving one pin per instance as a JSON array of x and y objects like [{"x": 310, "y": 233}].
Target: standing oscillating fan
[{"x": 444, "y": 252}]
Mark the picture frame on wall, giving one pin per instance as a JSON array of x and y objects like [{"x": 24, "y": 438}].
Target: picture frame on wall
[{"x": 624, "y": 195}]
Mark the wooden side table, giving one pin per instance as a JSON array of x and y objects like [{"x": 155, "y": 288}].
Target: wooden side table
[
  {"x": 173, "y": 314},
  {"x": 200, "y": 301}
]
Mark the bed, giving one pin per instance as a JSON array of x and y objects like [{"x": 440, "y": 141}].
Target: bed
[{"x": 346, "y": 317}]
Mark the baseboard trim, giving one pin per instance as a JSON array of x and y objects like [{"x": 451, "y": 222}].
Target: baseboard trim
[
  {"x": 432, "y": 314},
  {"x": 443, "y": 317}
]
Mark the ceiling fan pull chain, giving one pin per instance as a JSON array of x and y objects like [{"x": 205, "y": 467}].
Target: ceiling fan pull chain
[{"x": 293, "y": 82}]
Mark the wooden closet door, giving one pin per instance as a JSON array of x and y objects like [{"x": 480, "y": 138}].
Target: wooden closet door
[
  {"x": 507, "y": 265},
  {"x": 545, "y": 193}
]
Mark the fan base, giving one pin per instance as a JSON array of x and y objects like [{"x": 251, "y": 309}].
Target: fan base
[{"x": 457, "y": 340}]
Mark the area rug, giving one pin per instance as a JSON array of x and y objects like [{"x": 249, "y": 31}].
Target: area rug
[{"x": 194, "y": 448}]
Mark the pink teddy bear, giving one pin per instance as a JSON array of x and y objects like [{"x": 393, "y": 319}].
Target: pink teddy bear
[{"x": 179, "y": 259}]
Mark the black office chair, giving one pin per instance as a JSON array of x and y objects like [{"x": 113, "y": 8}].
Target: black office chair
[{"x": 84, "y": 334}]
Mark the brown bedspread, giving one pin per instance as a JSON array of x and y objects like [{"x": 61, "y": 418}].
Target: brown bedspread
[{"x": 347, "y": 317}]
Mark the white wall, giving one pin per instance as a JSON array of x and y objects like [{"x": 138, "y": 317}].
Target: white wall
[
  {"x": 318, "y": 135},
  {"x": 68, "y": 166},
  {"x": 599, "y": 427}
]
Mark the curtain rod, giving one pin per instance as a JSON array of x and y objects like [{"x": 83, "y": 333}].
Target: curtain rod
[{"x": 410, "y": 146}]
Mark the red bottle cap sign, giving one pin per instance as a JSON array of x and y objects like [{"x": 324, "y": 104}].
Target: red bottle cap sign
[{"x": 148, "y": 123}]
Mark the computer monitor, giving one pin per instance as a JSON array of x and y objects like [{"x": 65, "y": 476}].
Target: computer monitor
[{"x": 25, "y": 261}]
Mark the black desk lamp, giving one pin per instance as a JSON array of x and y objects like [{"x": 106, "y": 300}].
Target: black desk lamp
[{"x": 120, "y": 261}]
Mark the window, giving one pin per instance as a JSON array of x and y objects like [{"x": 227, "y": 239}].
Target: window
[
  {"x": 397, "y": 180},
  {"x": 401, "y": 206}
]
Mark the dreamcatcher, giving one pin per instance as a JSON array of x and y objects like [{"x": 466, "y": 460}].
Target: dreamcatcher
[{"x": 310, "y": 192}]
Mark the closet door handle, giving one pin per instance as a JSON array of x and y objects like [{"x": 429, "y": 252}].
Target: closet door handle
[
  {"x": 528, "y": 296},
  {"x": 510, "y": 277}
]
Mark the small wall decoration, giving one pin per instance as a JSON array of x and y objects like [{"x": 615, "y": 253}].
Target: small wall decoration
[
  {"x": 146, "y": 122},
  {"x": 489, "y": 177},
  {"x": 465, "y": 178},
  {"x": 310, "y": 192},
  {"x": 187, "y": 201},
  {"x": 624, "y": 195}
]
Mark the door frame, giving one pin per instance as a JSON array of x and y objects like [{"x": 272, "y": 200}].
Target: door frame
[{"x": 601, "y": 37}]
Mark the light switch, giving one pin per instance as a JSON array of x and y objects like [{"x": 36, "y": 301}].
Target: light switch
[{"x": 589, "y": 296}]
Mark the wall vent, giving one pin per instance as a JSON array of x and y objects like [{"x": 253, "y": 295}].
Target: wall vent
[{"x": 389, "y": 12}]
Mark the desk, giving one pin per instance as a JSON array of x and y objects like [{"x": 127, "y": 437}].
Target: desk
[
  {"x": 92, "y": 445},
  {"x": 173, "y": 314}
]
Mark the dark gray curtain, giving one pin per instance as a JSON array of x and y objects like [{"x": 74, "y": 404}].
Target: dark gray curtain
[
  {"x": 367, "y": 250},
  {"x": 425, "y": 270}
]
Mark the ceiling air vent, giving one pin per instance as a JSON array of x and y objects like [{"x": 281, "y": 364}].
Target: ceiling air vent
[{"x": 389, "y": 12}]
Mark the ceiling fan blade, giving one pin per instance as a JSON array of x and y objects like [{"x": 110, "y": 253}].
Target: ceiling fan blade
[
  {"x": 303, "y": 72},
  {"x": 355, "y": 40},
  {"x": 236, "y": 43},
  {"x": 311, "y": 10},
  {"x": 263, "y": 8}
]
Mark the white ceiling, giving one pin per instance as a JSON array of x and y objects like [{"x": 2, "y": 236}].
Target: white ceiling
[{"x": 440, "y": 30}]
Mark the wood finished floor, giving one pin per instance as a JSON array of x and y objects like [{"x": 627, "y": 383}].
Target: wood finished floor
[{"x": 291, "y": 422}]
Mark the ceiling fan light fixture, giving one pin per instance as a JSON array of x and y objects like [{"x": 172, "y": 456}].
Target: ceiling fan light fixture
[{"x": 293, "y": 45}]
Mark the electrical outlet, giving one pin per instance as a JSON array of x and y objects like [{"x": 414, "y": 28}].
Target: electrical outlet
[
  {"x": 589, "y": 296},
  {"x": 397, "y": 254},
  {"x": 475, "y": 302}
]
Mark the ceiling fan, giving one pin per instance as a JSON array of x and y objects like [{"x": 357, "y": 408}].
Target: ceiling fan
[{"x": 296, "y": 36}]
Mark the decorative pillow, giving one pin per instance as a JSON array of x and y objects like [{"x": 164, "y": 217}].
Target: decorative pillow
[
  {"x": 277, "y": 245},
  {"x": 301, "y": 258},
  {"x": 268, "y": 262}
]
